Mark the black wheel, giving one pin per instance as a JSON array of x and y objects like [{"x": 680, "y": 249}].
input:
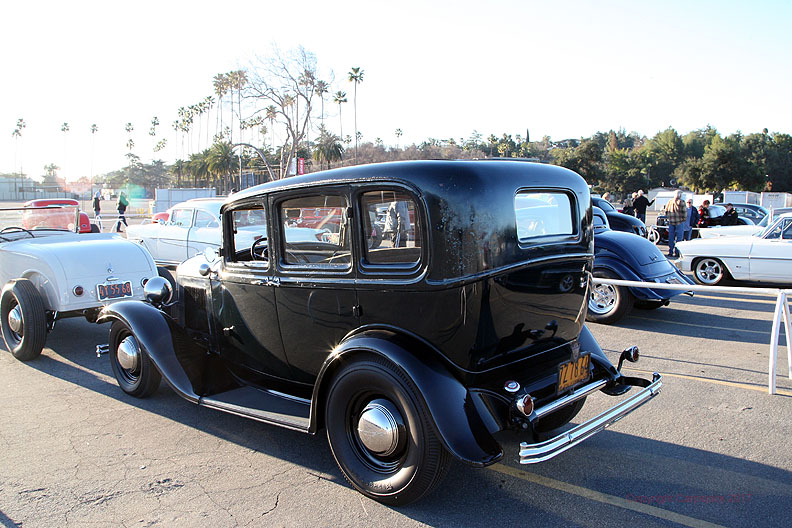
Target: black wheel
[
  {"x": 709, "y": 271},
  {"x": 132, "y": 367},
  {"x": 381, "y": 434},
  {"x": 24, "y": 319},
  {"x": 559, "y": 418},
  {"x": 608, "y": 303}
]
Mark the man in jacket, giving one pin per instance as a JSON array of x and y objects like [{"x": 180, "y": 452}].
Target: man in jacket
[
  {"x": 692, "y": 220},
  {"x": 640, "y": 204},
  {"x": 676, "y": 215}
]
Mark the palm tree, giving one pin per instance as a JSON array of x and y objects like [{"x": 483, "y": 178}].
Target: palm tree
[
  {"x": 272, "y": 112},
  {"x": 220, "y": 82},
  {"x": 340, "y": 97},
  {"x": 64, "y": 129},
  {"x": 328, "y": 148},
  {"x": 322, "y": 88},
  {"x": 16, "y": 134},
  {"x": 356, "y": 76},
  {"x": 94, "y": 130},
  {"x": 220, "y": 161},
  {"x": 398, "y": 136}
]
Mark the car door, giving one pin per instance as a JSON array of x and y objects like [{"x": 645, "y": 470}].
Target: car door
[
  {"x": 316, "y": 298},
  {"x": 172, "y": 241},
  {"x": 771, "y": 255},
  {"x": 204, "y": 233},
  {"x": 243, "y": 297}
]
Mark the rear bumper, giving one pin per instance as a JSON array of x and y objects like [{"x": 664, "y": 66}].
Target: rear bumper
[{"x": 539, "y": 452}]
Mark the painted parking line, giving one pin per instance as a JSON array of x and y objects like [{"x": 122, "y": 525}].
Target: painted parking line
[
  {"x": 752, "y": 299},
  {"x": 736, "y": 384},
  {"x": 604, "y": 498},
  {"x": 709, "y": 327}
]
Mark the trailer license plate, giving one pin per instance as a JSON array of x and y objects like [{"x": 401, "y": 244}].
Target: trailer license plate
[
  {"x": 573, "y": 372},
  {"x": 114, "y": 291}
]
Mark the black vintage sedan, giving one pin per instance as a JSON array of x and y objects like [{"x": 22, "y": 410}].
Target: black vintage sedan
[
  {"x": 619, "y": 221},
  {"x": 466, "y": 319},
  {"x": 621, "y": 256}
]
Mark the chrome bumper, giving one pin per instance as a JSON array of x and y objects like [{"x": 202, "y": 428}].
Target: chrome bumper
[{"x": 534, "y": 453}]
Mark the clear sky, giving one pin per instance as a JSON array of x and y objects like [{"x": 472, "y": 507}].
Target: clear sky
[{"x": 438, "y": 69}]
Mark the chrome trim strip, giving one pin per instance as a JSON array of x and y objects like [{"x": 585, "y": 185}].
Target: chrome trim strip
[
  {"x": 533, "y": 453},
  {"x": 575, "y": 395}
]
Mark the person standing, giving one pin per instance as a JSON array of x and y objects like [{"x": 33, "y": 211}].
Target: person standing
[
  {"x": 627, "y": 206},
  {"x": 692, "y": 220},
  {"x": 97, "y": 207},
  {"x": 640, "y": 203},
  {"x": 704, "y": 215},
  {"x": 121, "y": 204},
  {"x": 730, "y": 217},
  {"x": 676, "y": 216}
]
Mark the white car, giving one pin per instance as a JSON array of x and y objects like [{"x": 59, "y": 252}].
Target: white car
[
  {"x": 194, "y": 226},
  {"x": 766, "y": 257},
  {"x": 50, "y": 273}
]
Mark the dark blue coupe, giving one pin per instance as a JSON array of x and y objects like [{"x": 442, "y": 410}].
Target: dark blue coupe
[{"x": 619, "y": 255}]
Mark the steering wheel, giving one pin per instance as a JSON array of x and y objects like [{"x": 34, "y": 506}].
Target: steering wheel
[
  {"x": 14, "y": 229},
  {"x": 258, "y": 251}
]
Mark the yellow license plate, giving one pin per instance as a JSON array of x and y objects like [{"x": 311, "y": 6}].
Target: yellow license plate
[{"x": 573, "y": 372}]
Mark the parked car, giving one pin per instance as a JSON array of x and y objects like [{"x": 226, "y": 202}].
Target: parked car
[
  {"x": 194, "y": 225},
  {"x": 410, "y": 354},
  {"x": 766, "y": 257},
  {"x": 659, "y": 233},
  {"x": 620, "y": 221},
  {"x": 621, "y": 256},
  {"x": 49, "y": 273},
  {"x": 754, "y": 213},
  {"x": 62, "y": 217}
]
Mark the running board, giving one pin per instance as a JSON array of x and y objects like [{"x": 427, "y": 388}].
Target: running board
[{"x": 264, "y": 406}]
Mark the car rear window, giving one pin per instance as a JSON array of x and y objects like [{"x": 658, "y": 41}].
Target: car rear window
[{"x": 542, "y": 214}]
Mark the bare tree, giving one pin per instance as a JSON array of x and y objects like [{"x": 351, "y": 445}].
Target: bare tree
[{"x": 286, "y": 82}]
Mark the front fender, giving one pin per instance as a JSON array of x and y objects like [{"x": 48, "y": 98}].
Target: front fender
[
  {"x": 174, "y": 353},
  {"x": 451, "y": 406}
]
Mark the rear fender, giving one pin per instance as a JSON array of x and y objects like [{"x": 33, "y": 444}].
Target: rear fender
[
  {"x": 178, "y": 358},
  {"x": 451, "y": 406},
  {"x": 598, "y": 357}
]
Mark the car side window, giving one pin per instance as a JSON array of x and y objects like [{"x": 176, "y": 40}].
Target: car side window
[
  {"x": 181, "y": 217},
  {"x": 204, "y": 219},
  {"x": 392, "y": 232},
  {"x": 250, "y": 234},
  {"x": 314, "y": 231}
]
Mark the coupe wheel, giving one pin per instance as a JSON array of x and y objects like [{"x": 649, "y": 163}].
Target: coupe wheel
[
  {"x": 608, "y": 303},
  {"x": 24, "y": 320},
  {"x": 709, "y": 271},
  {"x": 132, "y": 367},
  {"x": 381, "y": 434}
]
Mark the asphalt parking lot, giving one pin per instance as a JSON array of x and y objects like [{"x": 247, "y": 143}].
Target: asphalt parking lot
[{"x": 712, "y": 449}]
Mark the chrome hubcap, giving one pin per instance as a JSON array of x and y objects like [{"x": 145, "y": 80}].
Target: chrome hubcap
[
  {"x": 709, "y": 271},
  {"x": 15, "y": 320},
  {"x": 128, "y": 353},
  {"x": 380, "y": 428},
  {"x": 602, "y": 299}
]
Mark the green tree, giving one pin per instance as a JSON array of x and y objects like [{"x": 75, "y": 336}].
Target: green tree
[
  {"x": 328, "y": 148},
  {"x": 340, "y": 98},
  {"x": 220, "y": 162}
]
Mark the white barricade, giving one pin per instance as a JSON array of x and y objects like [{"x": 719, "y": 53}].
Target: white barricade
[{"x": 781, "y": 313}]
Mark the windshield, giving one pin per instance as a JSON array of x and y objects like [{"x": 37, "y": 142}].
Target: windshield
[
  {"x": 603, "y": 204},
  {"x": 28, "y": 221}
]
